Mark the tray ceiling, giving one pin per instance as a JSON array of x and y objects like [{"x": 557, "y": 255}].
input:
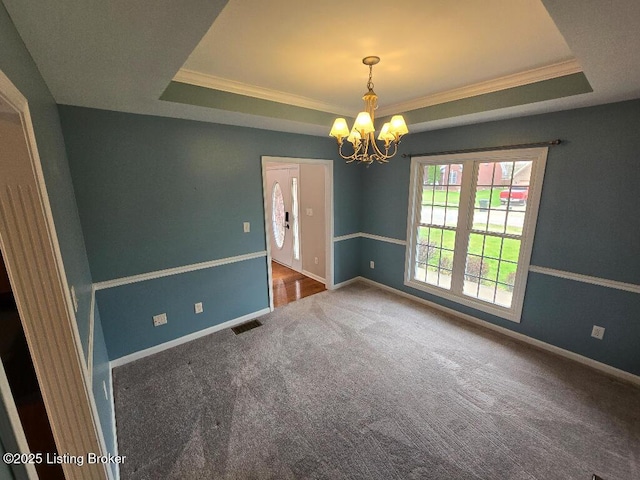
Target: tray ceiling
[{"x": 291, "y": 66}]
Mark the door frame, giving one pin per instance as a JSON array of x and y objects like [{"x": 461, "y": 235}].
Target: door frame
[
  {"x": 328, "y": 218},
  {"x": 39, "y": 284}
]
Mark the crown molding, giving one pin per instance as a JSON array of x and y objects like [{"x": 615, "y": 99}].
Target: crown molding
[
  {"x": 217, "y": 83},
  {"x": 503, "y": 83}
]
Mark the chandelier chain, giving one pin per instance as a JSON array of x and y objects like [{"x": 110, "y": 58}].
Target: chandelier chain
[{"x": 370, "y": 82}]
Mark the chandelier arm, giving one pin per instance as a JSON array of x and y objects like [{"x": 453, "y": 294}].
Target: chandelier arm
[
  {"x": 387, "y": 156},
  {"x": 348, "y": 158},
  {"x": 377, "y": 152}
]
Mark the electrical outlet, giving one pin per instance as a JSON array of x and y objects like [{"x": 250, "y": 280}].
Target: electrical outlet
[
  {"x": 372, "y": 264},
  {"x": 597, "y": 332},
  {"x": 198, "y": 307},
  {"x": 246, "y": 227},
  {"x": 309, "y": 212},
  {"x": 159, "y": 319},
  {"x": 315, "y": 260}
]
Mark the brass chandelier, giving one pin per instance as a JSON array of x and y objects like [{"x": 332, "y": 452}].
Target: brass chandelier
[{"x": 361, "y": 136}]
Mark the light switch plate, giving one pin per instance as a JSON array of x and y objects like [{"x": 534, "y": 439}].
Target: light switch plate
[
  {"x": 247, "y": 227},
  {"x": 198, "y": 307}
]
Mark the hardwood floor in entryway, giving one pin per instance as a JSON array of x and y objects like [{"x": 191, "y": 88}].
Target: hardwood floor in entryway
[{"x": 289, "y": 285}]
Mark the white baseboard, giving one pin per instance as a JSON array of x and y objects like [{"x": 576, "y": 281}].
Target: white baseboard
[
  {"x": 317, "y": 278},
  {"x": 346, "y": 282},
  {"x": 615, "y": 372},
  {"x": 187, "y": 338}
]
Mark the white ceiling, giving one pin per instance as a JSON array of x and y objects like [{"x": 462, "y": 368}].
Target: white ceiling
[
  {"x": 315, "y": 50},
  {"x": 121, "y": 55}
]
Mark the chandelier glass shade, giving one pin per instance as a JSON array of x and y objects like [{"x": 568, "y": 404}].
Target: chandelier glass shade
[{"x": 362, "y": 135}]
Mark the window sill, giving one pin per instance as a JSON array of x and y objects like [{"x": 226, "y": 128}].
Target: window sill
[{"x": 512, "y": 314}]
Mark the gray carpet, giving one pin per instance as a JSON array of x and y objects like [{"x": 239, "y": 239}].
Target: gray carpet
[{"x": 363, "y": 384}]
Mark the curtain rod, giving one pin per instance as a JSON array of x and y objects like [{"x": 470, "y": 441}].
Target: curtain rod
[{"x": 550, "y": 143}]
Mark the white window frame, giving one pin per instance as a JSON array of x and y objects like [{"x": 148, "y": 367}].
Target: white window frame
[{"x": 471, "y": 163}]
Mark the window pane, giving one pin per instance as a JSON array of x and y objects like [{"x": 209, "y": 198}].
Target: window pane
[
  {"x": 471, "y": 287},
  {"x": 474, "y": 267},
  {"x": 426, "y": 214},
  {"x": 490, "y": 270},
  {"x": 497, "y": 221},
  {"x": 451, "y": 217},
  {"x": 440, "y": 194},
  {"x": 515, "y": 220},
  {"x": 492, "y": 246},
  {"x": 427, "y": 194},
  {"x": 277, "y": 220},
  {"x": 480, "y": 219},
  {"x": 453, "y": 196},
  {"x": 448, "y": 239},
  {"x": 507, "y": 274},
  {"x": 487, "y": 291},
  {"x": 476, "y": 243},
  {"x": 510, "y": 249},
  {"x": 434, "y": 256},
  {"x": 484, "y": 198},
  {"x": 296, "y": 222}
]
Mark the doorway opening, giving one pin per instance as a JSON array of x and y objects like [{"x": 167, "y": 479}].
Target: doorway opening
[
  {"x": 289, "y": 285},
  {"x": 298, "y": 207},
  {"x": 22, "y": 380}
]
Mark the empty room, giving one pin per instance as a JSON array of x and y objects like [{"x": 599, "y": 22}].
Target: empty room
[{"x": 288, "y": 240}]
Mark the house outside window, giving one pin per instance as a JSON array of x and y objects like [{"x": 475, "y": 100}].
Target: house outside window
[{"x": 470, "y": 235}]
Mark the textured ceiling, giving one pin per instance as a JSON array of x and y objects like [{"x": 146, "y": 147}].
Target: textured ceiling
[{"x": 282, "y": 65}]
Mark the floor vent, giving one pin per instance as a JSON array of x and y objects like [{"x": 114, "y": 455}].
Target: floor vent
[{"x": 245, "y": 327}]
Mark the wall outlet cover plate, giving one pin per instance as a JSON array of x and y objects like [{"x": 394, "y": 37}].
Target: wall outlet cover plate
[
  {"x": 159, "y": 319},
  {"x": 597, "y": 332}
]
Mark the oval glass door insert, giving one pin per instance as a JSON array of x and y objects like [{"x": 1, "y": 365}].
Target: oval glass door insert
[{"x": 277, "y": 209}]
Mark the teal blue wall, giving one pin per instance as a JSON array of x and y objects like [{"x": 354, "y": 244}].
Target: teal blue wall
[
  {"x": 17, "y": 64},
  {"x": 588, "y": 223},
  {"x": 102, "y": 380},
  {"x": 227, "y": 292},
  {"x": 347, "y": 259},
  {"x": 141, "y": 182},
  {"x": 157, "y": 193}
]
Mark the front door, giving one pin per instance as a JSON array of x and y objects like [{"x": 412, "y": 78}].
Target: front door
[{"x": 283, "y": 211}]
